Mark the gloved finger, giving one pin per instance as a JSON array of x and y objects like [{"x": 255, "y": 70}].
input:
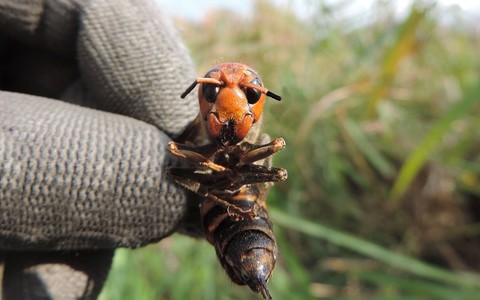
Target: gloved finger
[
  {"x": 38, "y": 46},
  {"x": 55, "y": 275},
  {"x": 77, "y": 178},
  {"x": 42, "y": 24},
  {"x": 130, "y": 57}
]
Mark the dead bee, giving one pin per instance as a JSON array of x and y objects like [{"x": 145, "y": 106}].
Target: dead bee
[{"x": 232, "y": 171}]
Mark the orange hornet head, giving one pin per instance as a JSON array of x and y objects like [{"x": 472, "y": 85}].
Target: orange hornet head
[{"x": 231, "y": 98}]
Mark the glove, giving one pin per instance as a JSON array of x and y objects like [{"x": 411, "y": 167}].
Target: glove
[{"x": 77, "y": 182}]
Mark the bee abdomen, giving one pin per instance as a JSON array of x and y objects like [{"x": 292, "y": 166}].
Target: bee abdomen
[{"x": 245, "y": 247}]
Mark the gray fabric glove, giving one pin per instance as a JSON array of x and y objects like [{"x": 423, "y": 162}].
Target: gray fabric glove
[{"x": 73, "y": 179}]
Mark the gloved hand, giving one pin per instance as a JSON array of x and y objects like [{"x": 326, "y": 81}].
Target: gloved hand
[{"x": 76, "y": 182}]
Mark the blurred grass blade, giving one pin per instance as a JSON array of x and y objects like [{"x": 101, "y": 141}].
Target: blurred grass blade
[
  {"x": 299, "y": 277},
  {"x": 415, "y": 286},
  {"x": 322, "y": 106},
  {"x": 418, "y": 157},
  {"x": 405, "y": 43},
  {"x": 377, "y": 160},
  {"x": 377, "y": 252}
]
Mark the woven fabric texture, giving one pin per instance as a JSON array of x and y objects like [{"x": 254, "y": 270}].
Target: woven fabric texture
[{"x": 75, "y": 178}]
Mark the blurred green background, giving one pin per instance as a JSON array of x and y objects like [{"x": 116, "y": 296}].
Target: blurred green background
[{"x": 383, "y": 154}]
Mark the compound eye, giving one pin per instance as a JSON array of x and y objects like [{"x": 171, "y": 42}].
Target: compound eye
[
  {"x": 252, "y": 94},
  {"x": 210, "y": 91}
]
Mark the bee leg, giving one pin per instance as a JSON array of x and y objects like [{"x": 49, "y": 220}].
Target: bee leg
[
  {"x": 214, "y": 185},
  {"x": 247, "y": 211},
  {"x": 240, "y": 213},
  {"x": 253, "y": 153},
  {"x": 207, "y": 150},
  {"x": 250, "y": 174},
  {"x": 191, "y": 178},
  {"x": 203, "y": 191},
  {"x": 188, "y": 183},
  {"x": 244, "y": 175},
  {"x": 212, "y": 180},
  {"x": 194, "y": 155}
]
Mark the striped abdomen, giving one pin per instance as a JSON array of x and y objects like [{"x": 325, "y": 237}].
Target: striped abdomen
[{"x": 245, "y": 247}]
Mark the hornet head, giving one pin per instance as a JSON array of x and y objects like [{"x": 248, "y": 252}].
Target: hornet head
[{"x": 231, "y": 98}]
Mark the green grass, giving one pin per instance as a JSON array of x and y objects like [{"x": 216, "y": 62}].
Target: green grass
[{"x": 383, "y": 142}]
